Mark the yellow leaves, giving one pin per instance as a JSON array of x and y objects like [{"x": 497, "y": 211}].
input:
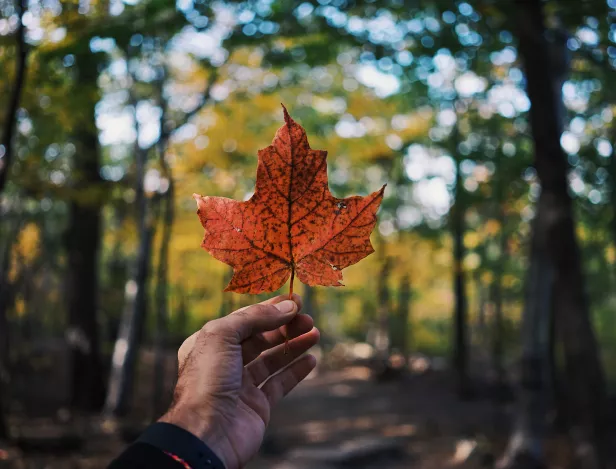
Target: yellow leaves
[
  {"x": 510, "y": 281},
  {"x": 583, "y": 232},
  {"x": 26, "y": 249},
  {"x": 471, "y": 239},
  {"x": 610, "y": 254},
  {"x": 492, "y": 227},
  {"x": 487, "y": 277},
  {"x": 20, "y": 307},
  {"x": 28, "y": 243}
]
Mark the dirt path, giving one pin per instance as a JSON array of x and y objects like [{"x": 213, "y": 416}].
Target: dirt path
[
  {"x": 413, "y": 421},
  {"x": 345, "y": 419}
]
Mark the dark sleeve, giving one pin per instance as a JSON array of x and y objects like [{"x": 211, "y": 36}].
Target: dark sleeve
[
  {"x": 153, "y": 448},
  {"x": 144, "y": 456}
]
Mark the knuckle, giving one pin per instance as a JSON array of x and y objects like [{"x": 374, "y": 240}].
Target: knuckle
[
  {"x": 242, "y": 314},
  {"x": 215, "y": 330},
  {"x": 211, "y": 328}
]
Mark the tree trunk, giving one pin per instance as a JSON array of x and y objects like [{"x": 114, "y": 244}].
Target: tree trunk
[
  {"x": 497, "y": 297},
  {"x": 586, "y": 393},
  {"x": 482, "y": 304},
  {"x": 181, "y": 317},
  {"x": 10, "y": 123},
  {"x": 5, "y": 293},
  {"x": 125, "y": 352},
  {"x": 557, "y": 382},
  {"x": 82, "y": 241},
  {"x": 525, "y": 448},
  {"x": 7, "y": 299},
  {"x": 383, "y": 340},
  {"x": 612, "y": 173},
  {"x": 162, "y": 302},
  {"x": 458, "y": 212},
  {"x": 8, "y": 132},
  {"x": 404, "y": 305},
  {"x": 226, "y": 305}
]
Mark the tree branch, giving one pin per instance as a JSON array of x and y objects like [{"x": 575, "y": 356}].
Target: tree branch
[{"x": 205, "y": 100}]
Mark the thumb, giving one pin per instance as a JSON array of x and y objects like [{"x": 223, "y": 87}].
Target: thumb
[{"x": 258, "y": 318}]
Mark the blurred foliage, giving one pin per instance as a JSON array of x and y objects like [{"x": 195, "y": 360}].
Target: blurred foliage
[{"x": 380, "y": 85}]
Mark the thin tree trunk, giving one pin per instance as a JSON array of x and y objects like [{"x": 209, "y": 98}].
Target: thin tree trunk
[
  {"x": 458, "y": 212},
  {"x": 404, "y": 306},
  {"x": 5, "y": 302},
  {"x": 8, "y": 132},
  {"x": 126, "y": 348},
  {"x": 82, "y": 241},
  {"x": 482, "y": 304},
  {"x": 612, "y": 172},
  {"x": 226, "y": 305},
  {"x": 182, "y": 317},
  {"x": 10, "y": 123},
  {"x": 383, "y": 340},
  {"x": 497, "y": 296},
  {"x": 586, "y": 390},
  {"x": 162, "y": 301},
  {"x": 4, "y": 427}
]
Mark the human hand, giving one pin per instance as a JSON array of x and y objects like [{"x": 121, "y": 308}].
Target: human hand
[{"x": 223, "y": 394}]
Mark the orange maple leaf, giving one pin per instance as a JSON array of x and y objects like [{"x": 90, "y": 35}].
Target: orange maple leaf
[{"x": 292, "y": 224}]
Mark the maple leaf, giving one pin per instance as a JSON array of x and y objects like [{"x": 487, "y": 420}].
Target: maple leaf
[{"x": 292, "y": 224}]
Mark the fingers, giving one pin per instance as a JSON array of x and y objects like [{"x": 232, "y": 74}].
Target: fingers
[
  {"x": 269, "y": 315},
  {"x": 275, "y": 359},
  {"x": 280, "y": 385},
  {"x": 279, "y": 299},
  {"x": 253, "y": 346}
]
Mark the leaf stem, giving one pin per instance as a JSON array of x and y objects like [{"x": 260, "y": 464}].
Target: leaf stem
[{"x": 286, "y": 339}]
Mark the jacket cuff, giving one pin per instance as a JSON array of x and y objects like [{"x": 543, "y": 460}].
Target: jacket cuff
[
  {"x": 174, "y": 440},
  {"x": 145, "y": 456}
]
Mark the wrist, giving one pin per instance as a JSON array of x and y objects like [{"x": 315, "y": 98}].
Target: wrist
[{"x": 204, "y": 427}]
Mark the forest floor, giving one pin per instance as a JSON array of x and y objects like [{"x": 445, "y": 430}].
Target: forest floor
[{"x": 337, "y": 418}]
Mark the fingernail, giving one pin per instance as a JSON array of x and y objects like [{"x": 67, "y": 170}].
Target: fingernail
[{"x": 286, "y": 306}]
